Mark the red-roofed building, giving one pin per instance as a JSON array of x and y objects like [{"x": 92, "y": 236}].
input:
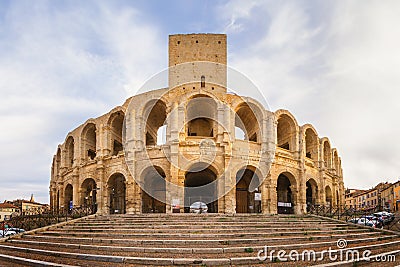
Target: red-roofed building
[{"x": 7, "y": 211}]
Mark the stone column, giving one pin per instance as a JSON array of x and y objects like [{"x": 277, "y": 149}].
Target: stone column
[
  {"x": 61, "y": 201},
  {"x": 296, "y": 197},
  {"x": 180, "y": 193},
  {"x": 221, "y": 198},
  {"x": 302, "y": 194},
  {"x": 272, "y": 191},
  {"x": 130, "y": 196},
  {"x": 230, "y": 190},
  {"x": 76, "y": 190},
  {"x": 266, "y": 197}
]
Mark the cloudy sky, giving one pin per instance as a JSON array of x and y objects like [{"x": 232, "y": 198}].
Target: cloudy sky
[{"x": 335, "y": 64}]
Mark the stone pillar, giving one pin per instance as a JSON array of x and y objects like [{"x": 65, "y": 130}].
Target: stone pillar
[
  {"x": 322, "y": 189},
  {"x": 266, "y": 196},
  {"x": 130, "y": 196},
  {"x": 76, "y": 191},
  {"x": 230, "y": 189},
  {"x": 105, "y": 140},
  {"x": 296, "y": 197},
  {"x": 302, "y": 194},
  {"x": 168, "y": 194},
  {"x": 272, "y": 191},
  {"x": 105, "y": 198},
  {"x": 61, "y": 201},
  {"x": 180, "y": 192},
  {"x": 220, "y": 189}
]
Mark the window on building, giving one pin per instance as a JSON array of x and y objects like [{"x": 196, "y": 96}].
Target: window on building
[{"x": 203, "y": 81}]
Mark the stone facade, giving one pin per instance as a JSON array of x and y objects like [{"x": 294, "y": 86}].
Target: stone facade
[{"x": 115, "y": 162}]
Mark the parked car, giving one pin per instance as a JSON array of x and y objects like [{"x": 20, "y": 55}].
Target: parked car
[
  {"x": 17, "y": 230},
  {"x": 366, "y": 222},
  {"x": 354, "y": 220},
  {"x": 198, "y": 207},
  {"x": 377, "y": 221},
  {"x": 7, "y": 232},
  {"x": 384, "y": 217},
  {"x": 388, "y": 214}
]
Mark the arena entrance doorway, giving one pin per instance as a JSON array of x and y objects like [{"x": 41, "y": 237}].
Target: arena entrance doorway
[
  {"x": 248, "y": 196},
  {"x": 153, "y": 195},
  {"x": 201, "y": 186},
  {"x": 117, "y": 192},
  {"x": 285, "y": 195}
]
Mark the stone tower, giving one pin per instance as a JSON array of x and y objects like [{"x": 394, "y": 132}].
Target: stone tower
[{"x": 197, "y": 58}]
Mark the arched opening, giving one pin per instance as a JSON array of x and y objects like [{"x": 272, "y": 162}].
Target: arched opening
[
  {"x": 89, "y": 141},
  {"x": 328, "y": 195},
  {"x": 311, "y": 193},
  {"x": 239, "y": 134},
  {"x": 248, "y": 195},
  {"x": 58, "y": 162},
  {"x": 70, "y": 153},
  {"x": 153, "y": 193},
  {"x": 311, "y": 144},
  {"x": 89, "y": 194},
  {"x": 247, "y": 122},
  {"x": 117, "y": 192},
  {"x": 155, "y": 115},
  {"x": 203, "y": 81},
  {"x": 285, "y": 195},
  {"x": 327, "y": 154},
  {"x": 162, "y": 135},
  {"x": 68, "y": 197},
  {"x": 200, "y": 186},
  {"x": 286, "y": 133},
  {"x": 336, "y": 162},
  {"x": 116, "y": 125},
  {"x": 201, "y": 116}
]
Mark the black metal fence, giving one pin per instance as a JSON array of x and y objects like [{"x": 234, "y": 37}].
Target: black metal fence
[
  {"x": 347, "y": 214},
  {"x": 32, "y": 219}
]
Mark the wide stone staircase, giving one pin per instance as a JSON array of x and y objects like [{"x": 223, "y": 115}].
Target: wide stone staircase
[{"x": 201, "y": 240}]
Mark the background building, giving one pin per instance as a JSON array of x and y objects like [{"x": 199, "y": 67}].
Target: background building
[
  {"x": 29, "y": 207},
  {"x": 7, "y": 211},
  {"x": 383, "y": 196}
]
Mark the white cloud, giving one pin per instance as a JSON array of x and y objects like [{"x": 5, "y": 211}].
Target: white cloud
[
  {"x": 60, "y": 65},
  {"x": 336, "y": 66},
  {"x": 233, "y": 12}
]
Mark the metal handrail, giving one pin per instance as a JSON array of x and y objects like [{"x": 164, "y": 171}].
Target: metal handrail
[{"x": 32, "y": 219}]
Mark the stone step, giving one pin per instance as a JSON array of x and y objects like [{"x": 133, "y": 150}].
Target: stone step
[
  {"x": 223, "y": 220},
  {"x": 194, "y": 235},
  {"x": 204, "y": 242},
  {"x": 210, "y": 225},
  {"x": 132, "y": 240},
  {"x": 12, "y": 260},
  {"x": 198, "y": 229},
  {"x": 195, "y": 250},
  {"x": 204, "y": 224},
  {"x": 194, "y": 253},
  {"x": 242, "y": 260}
]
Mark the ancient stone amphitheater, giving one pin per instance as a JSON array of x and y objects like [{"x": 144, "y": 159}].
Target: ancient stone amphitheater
[
  {"x": 246, "y": 158},
  {"x": 143, "y": 166}
]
